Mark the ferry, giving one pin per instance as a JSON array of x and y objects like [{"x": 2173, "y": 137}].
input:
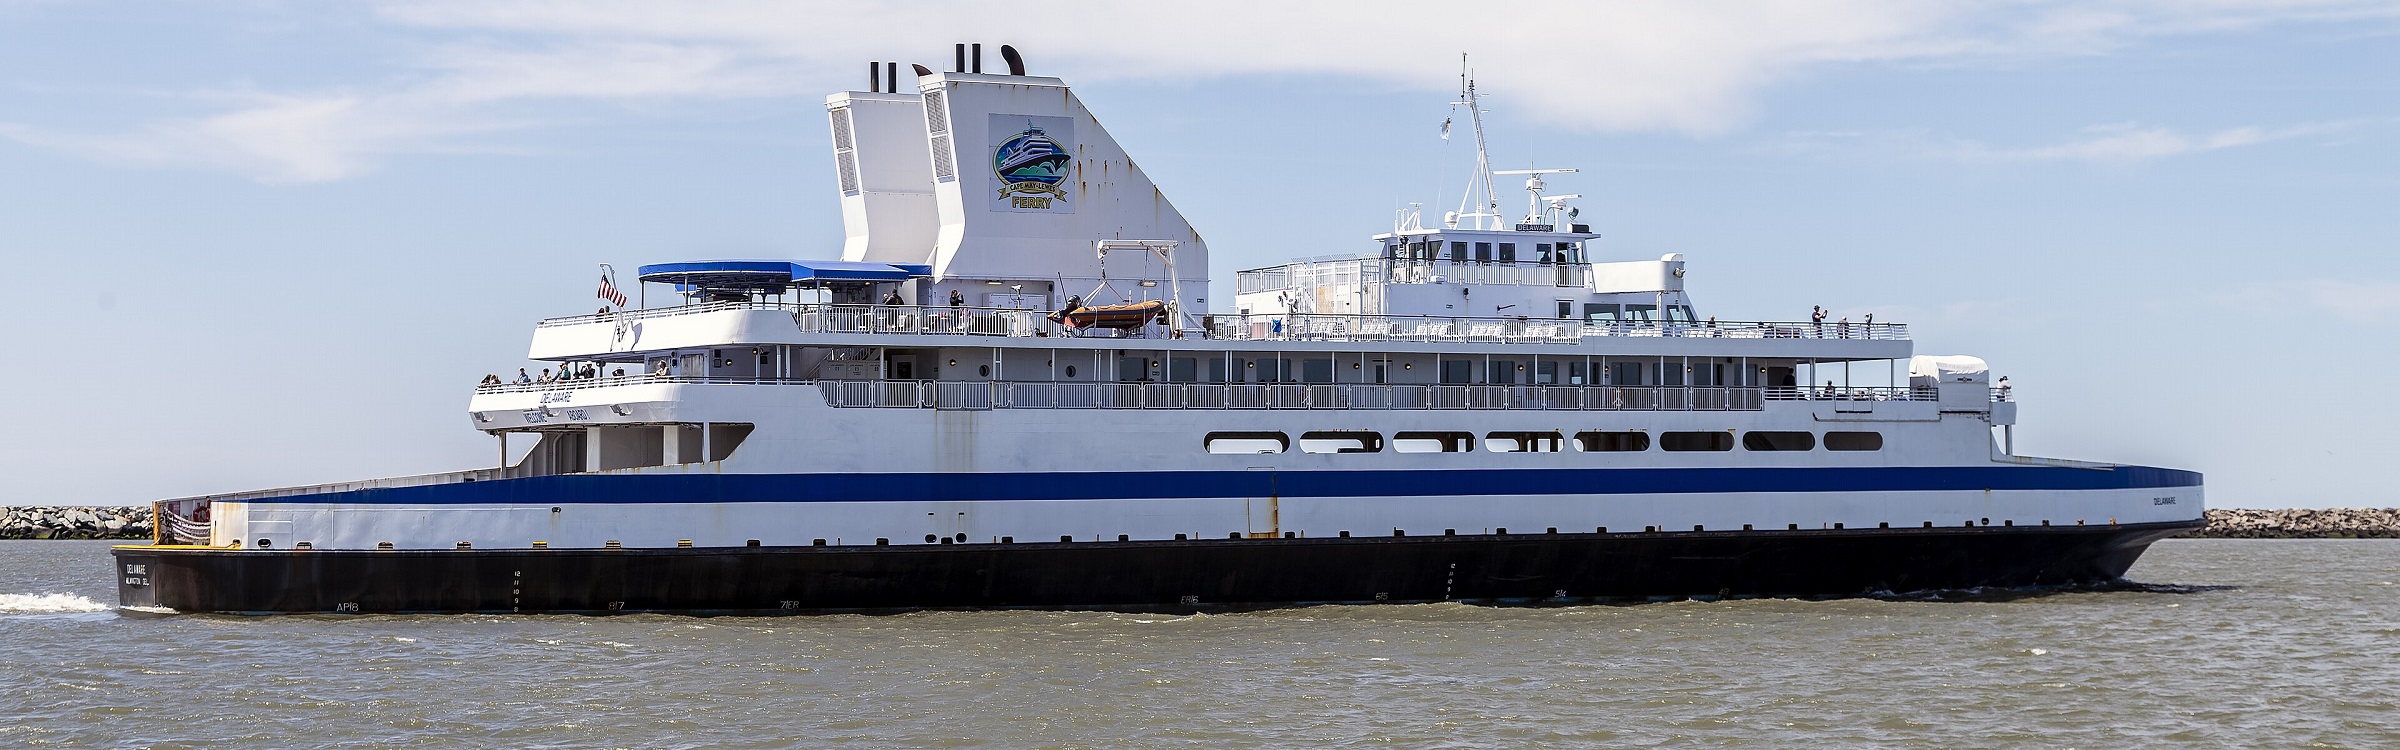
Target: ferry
[{"x": 1013, "y": 389}]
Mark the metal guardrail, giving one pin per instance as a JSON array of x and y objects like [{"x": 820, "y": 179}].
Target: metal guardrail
[
  {"x": 1010, "y": 322},
  {"x": 1050, "y": 395},
  {"x": 577, "y": 384},
  {"x": 1354, "y": 272},
  {"x": 1344, "y": 396},
  {"x": 1528, "y": 330}
]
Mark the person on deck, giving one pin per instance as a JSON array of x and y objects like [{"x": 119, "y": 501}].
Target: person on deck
[
  {"x": 1816, "y": 317},
  {"x": 957, "y": 299},
  {"x": 522, "y": 378},
  {"x": 892, "y": 299}
]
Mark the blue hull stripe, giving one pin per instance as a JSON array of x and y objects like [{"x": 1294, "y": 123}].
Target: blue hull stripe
[{"x": 921, "y": 487}]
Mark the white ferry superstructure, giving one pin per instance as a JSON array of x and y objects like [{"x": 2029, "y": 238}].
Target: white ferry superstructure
[{"x": 1013, "y": 390}]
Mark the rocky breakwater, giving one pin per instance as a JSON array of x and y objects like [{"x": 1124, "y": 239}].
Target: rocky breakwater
[
  {"x": 85, "y": 522},
  {"x": 2301, "y": 523}
]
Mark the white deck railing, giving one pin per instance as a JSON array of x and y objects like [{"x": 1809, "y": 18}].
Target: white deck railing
[
  {"x": 1352, "y": 273},
  {"x": 905, "y": 394},
  {"x": 1054, "y": 395},
  {"x": 987, "y": 321}
]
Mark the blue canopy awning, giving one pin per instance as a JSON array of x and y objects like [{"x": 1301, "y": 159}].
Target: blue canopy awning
[{"x": 775, "y": 274}]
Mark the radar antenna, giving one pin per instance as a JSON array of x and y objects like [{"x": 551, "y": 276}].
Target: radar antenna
[{"x": 1534, "y": 185}]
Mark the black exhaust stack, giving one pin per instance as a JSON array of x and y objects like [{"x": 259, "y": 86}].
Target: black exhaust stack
[
  {"x": 1016, "y": 64},
  {"x": 976, "y": 57}
]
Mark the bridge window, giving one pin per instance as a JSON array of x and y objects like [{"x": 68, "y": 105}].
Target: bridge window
[
  {"x": 1341, "y": 441},
  {"x": 1695, "y": 441},
  {"x": 1854, "y": 441},
  {"x": 1483, "y": 252},
  {"x": 1763, "y": 440},
  {"x": 1246, "y": 442},
  {"x": 1612, "y": 442},
  {"x": 1522, "y": 442},
  {"x": 1433, "y": 442},
  {"x": 1508, "y": 252},
  {"x": 1458, "y": 252}
]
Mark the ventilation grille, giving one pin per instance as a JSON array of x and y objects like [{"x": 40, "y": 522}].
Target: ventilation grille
[
  {"x": 944, "y": 169},
  {"x": 845, "y": 154},
  {"x": 841, "y": 129},
  {"x": 848, "y": 165},
  {"x": 937, "y": 113},
  {"x": 937, "y": 125}
]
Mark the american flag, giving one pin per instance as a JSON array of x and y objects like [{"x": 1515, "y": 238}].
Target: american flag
[{"x": 608, "y": 290}]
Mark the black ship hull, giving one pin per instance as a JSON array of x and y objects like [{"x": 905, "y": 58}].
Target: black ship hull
[{"x": 1155, "y": 576}]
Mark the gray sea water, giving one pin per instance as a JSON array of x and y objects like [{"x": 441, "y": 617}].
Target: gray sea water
[{"x": 2238, "y": 643}]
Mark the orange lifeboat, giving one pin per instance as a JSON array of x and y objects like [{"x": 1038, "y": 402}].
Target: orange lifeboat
[{"x": 1133, "y": 315}]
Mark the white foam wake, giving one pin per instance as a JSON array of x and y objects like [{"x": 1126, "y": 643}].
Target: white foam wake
[{"x": 21, "y": 604}]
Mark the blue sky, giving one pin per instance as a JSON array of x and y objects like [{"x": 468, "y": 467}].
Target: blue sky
[{"x": 268, "y": 243}]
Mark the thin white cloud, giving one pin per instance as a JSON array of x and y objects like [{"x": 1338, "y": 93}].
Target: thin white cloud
[
  {"x": 2133, "y": 141},
  {"x": 2117, "y": 142},
  {"x": 2356, "y": 301},
  {"x": 1660, "y": 65}
]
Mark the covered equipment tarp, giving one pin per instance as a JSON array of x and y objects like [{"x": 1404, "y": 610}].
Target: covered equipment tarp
[{"x": 1948, "y": 368}]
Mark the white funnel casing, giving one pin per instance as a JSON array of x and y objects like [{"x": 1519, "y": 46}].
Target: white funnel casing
[
  {"x": 1025, "y": 182},
  {"x": 885, "y": 179}
]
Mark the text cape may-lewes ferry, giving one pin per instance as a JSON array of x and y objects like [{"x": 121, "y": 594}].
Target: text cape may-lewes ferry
[{"x": 1012, "y": 391}]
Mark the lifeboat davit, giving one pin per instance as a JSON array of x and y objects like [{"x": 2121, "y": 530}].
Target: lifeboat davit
[{"x": 1133, "y": 315}]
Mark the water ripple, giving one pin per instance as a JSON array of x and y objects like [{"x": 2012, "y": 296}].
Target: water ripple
[{"x": 2227, "y": 643}]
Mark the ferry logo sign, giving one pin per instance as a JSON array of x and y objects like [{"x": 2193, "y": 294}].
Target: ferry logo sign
[{"x": 1031, "y": 156}]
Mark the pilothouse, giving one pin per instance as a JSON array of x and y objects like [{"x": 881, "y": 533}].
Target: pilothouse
[{"x": 1011, "y": 388}]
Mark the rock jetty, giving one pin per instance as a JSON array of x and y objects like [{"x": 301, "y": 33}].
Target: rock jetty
[
  {"x": 2301, "y": 523},
  {"x": 84, "y": 522}
]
